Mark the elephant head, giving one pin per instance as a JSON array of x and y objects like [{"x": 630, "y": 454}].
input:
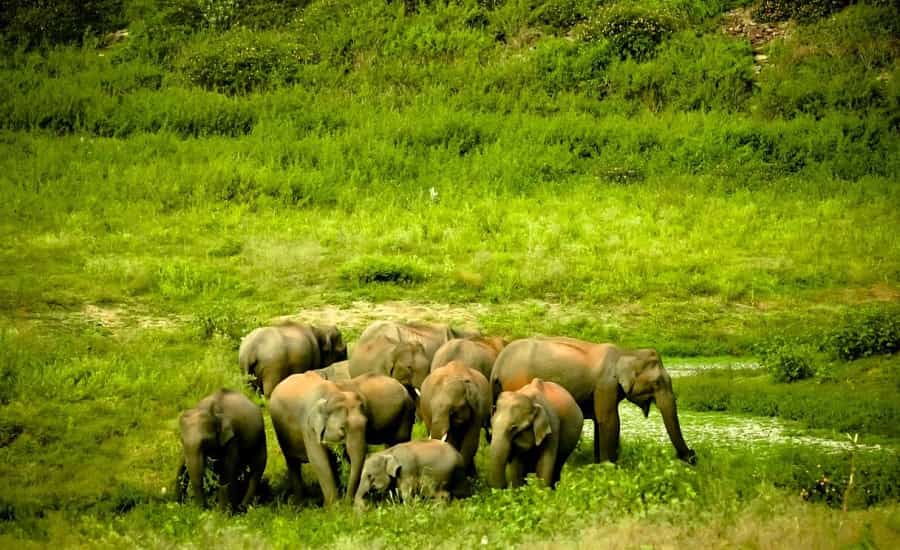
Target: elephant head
[
  {"x": 454, "y": 406},
  {"x": 331, "y": 345},
  {"x": 644, "y": 380},
  {"x": 519, "y": 424},
  {"x": 379, "y": 475},
  {"x": 205, "y": 432},
  {"x": 340, "y": 417},
  {"x": 408, "y": 364}
]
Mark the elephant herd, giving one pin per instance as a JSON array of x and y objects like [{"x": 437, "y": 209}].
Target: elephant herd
[{"x": 530, "y": 397}]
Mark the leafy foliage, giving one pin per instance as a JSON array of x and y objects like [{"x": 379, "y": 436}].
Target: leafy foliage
[
  {"x": 866, "y": 332},
  {"x": 804, "y": 10},
  {"x": 31, "y": 23},
  {"x": 633, "y": 32},
  {"x": 786, "y": 360}
]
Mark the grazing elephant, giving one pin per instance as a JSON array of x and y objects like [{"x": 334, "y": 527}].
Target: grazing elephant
[
  {"x": 389, "y": 409},
  {"x": 227, "y": 428},
  {"x": 535, "y": 430},
  {"x": 271, "y": 354},
  {"x": 431, "y": 336},
  {"x": 404, "y": 361},
  {"x": 336, "y": 372},
  {"x": 478, "y": 352},
  {"x": 429, "y": 468},
  {"x": 598, "y": 376},
  {"x": 455, "y": 405},
  {"x": 310, "y": 413}
]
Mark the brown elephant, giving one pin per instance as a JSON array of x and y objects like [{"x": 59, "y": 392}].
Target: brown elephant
[
  {"x": 389, "y": 409},
  {"x": 535, "y": 429},
  {"x": 427, "y": 468},
  {"x": 404, "y": 361},
  {"x": 309, "y": 414},
  {"x": 271, "y": 354},
  {"x": 455, "y": 405},
  {"x": 336, "y": 372},
  {"x": 478, "y": 352},
  {"x": 598, "y": 376},
  {"x": 227, "y": 429},
  {"x": 430, "y": 335}
]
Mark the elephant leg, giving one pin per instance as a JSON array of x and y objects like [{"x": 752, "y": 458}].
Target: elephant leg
[
  {"x": 295, "y": 478},
  {"x": 256, "y": 471},
  {"x": 335, "y": 465},
  {"x": 469, "y": 447},
  {"x": 181, "y": 482},
  {"x": 606, "y": 425},
  {"x": 229, "y": 485},
  {"x": 321, "y": 462},
  {"x": 546, "y": 467},
  {"x": 516, "y": 472}
]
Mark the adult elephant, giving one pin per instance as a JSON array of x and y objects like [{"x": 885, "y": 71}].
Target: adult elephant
[
  {"x": 227, "y": 428},
  {"x": 404, "y": 361},
  {"x": 598, "y": 376},
  {"x": 430, "y": 335},
  {"x": 310, "y": 413},
  {"x": 271, "y": 354},
  {"x": 479, "y": 353},
  {"x": 389, "y": 409},
  {"x": 535, "y": 430},
  {"x": 455, "y": 405}
]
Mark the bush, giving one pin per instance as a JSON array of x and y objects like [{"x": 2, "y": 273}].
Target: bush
[
  {"x": 867, "y": 332},
  {"x": 633, "y": 32},
  {"x": 787, "y": 360},
  {"x": 561, "y": 15},
  {"x": 31, "y": 23},
  {"x": 241, "y": 61},
  {"x": 381, "y": 269},
  {"x": 805, "y": 10}
]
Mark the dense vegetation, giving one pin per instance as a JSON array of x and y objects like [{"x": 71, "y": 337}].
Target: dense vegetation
[{"x": 621, "y": 171}]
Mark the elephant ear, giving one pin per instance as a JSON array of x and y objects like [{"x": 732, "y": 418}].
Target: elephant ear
[
  {"x": 318, "y": 417},
  {"x": 474, "y": 398},
  {"x": 540, "y": 423},
  {"x": 625, "y": 373},
  {"x": 224, "y": 428},
  {"x": 392, "y": 466}
]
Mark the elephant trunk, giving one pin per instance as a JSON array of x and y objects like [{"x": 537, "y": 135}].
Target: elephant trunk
[
  {"x": 665, "y": 401},
  {"x": 195, "y": 463},
  {"x": 440, "y": 425},
  {"x": 356, "y": 450},
  {"x": 500, "y": 449},
  {"x": 360, "y": 500}
]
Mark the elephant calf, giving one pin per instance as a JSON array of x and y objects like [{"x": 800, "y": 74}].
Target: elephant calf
[
  {"x": 228, "y": 428},
  {"x": 535, "y": 429},
  {"x": 477, "y": 352},
  {"x": 430, "y": 468},
  {"x": 455, "y": 405},
  {"x": 389, "y": 409}
]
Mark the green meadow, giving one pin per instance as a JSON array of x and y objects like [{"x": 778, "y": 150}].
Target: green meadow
[{"x": 647, "y": 173}]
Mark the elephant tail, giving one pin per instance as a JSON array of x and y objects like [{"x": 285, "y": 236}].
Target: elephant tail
[{"x": 247, "y": 360}]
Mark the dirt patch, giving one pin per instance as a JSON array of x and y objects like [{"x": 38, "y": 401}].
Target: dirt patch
[
  {"x": 739, "y": 22},
  {"x": 360, "y": 314},
  {"x": 117, "y": 318}
]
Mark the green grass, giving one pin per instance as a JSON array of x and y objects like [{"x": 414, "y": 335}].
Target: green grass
[{"x": 500, "y": 164}]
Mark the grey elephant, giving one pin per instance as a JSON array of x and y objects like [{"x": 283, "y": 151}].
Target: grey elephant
[
  {"x": 430, "y": 335},
  {"x": 535, "y": 429},
  {"x": 479, "y": 352},
  {"x": 431, "y": 469},
  {"x": 336, "y": 372},
  {"x": 389, "y": 409},
  {"x": 271, "y": 354},
  {"x": 598, "y": 376},
  {"x": 404, "y": 361},
  {"x": 227, "y": 430},
  {"x": 310, "y": 414},
  {"x": 455, "y": 405}
]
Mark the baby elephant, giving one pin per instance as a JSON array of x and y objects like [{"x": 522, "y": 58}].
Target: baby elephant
[
  {"x": 428, "y": 468},
  {"x": 535, "y": 429},
  {"x": 227, "y": 428}
]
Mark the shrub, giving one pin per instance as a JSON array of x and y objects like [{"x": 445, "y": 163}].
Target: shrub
[
  {"x": 30, "y": 23},
  {"x": 381, "y": 269},
  {"x": 241, "y": 61},
  {"x": 805, "y": 10},
  {"x": 561, "y": 15},
  {"x": 632, "y": 31},
  {"x": 866, "y": 332},
  {"x": 786, "y": 360}
]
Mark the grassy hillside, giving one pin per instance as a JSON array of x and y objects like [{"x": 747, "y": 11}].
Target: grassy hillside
[{"x": 653, "y": 173}]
